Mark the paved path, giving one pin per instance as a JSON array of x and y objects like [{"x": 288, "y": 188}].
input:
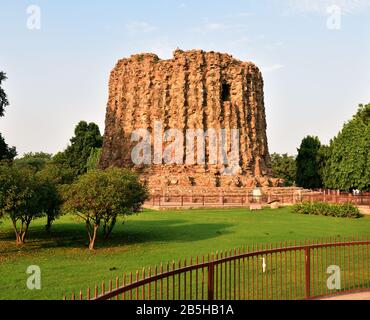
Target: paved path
[
  {"x": 365, "y": 210},
  {"x": 355, "y": 296}
]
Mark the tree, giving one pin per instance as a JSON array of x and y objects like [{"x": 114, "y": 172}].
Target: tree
[
  {"x": 37, "y": 161},
  {"x": 308, "y": 168},
  {"x": 6, "y": 153},
  {"x": 92, "y": 162},
  {"x": 23, "y": 198},
  {"x": 50, "y": 198},
  {"x": 58, "y": 174},
  {"x": 100, "y": 197},
  {"x": 56, "y": 178},
  {"x": 284, "y": 167},
  {"x": 3, "y": 98},
  {"x": 348, "y": 166},
  {"x": 323, "y": 157},
  {"x": 87, "y": 137}
]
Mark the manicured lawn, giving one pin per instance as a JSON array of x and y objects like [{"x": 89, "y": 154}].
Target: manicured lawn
[{"x": 146, "y": 240}]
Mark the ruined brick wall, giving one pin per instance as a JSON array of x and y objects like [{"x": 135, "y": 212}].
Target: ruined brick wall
[{"x": 194, "y": 90}]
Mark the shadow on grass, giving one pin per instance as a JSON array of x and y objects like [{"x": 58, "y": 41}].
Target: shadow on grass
[{"x": 73, "y": 235}]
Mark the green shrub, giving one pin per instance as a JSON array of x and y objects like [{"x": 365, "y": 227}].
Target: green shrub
[{"x": 346, "y": 210}]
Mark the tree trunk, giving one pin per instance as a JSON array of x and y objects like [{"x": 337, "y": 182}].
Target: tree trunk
[
  {"x": 93, "y": 237},
  {"x": 18, "y": 234},
  {"x": 19, "y": 238},
  {"x": 49, "y": 223}
]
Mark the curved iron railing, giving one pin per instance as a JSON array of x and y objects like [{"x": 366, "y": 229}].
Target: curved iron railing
[{"x": 288, "y": 271}]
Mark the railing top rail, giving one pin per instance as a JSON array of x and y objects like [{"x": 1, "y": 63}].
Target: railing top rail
[{"x": 213, "y": 261}]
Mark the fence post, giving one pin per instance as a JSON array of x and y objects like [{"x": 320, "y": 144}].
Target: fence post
[
  {"x": 211, "y": 271},
  {"x": 307, "y": 268}
]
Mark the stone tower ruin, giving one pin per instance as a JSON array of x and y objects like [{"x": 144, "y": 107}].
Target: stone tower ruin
[{"x": 194, "y": 90}]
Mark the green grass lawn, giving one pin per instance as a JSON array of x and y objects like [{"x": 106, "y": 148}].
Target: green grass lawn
[{"x": 147, "y": 240}]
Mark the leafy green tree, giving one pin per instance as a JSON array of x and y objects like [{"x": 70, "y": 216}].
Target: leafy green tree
[
  {"x": 100, "y": 197},
  {"x": 23, "y": 198},
  {"x": 87, "y": 137},
  {"x": 284, "y": 167},
  {"x": 6, "y": 153},
  {"x": 3, "y": 98},
  {"x": 94, "y": 158},
  {"x": 50, "y": 198},
  {"x": 308, "y": 167},
  {"x": 323, "y": 156},
  {"x": 57, "y": 178},
  {"x": 58, "y": 174},
  {"x": 37, "y": 161},
  {"x": 348, "y": 166}
]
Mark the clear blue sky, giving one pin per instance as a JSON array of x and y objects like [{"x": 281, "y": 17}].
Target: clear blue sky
[{"x": 314, "y": 76}]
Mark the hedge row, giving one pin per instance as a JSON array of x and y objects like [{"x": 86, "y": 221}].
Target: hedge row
[{"x": 347, "y": 210}]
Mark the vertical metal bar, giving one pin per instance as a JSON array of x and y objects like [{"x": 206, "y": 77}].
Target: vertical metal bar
[
  {"x": 286, "y": 271},
  {"x": 234, "y": 275},
  {"x": 307, "y": 255},
  {"x": 239, "y": 277},
  {"x": 149, "y": 284},
  {"x": 267, "y": 272},
  {"x": 217, "y": 267},
  {"x": 203, "y": 279},
  {"x": 291, "y": 272},
  {"x": 363, "y": 263},
  {"x": 322, "y": 267},
  {"x": 143, "y": 287},
  {"x": 123, "y": 285},
  {"x": 185, "y": 264},
  {"x": 257, "y": 271},
  {"x": 117, "y": 286},
  {"x": 110, "y": 285},
  {"x": 272, "y": 255},
  {"x": 103, "y": 288},
  {"x": 225, "y": 277},
  {"x": 196, "y": 279},
  {"x": 137, "y": 289},
  {"x": 343, "y": 266},
  {"x": 211, "y": 281},
  {"x": 156, "y": 284},
  {"x": 131, "y": 283},
  {"x": 262, "y": 275},
  {"x": 367, "y": 261},
  {"x": 248, "y": 274},
  {"x": 327, "y": 248},
  {"x": 317, "y": 271},
  {"x": 161, "y": 282},
  {"x": 295, "y": 271},
  {"x": 253, "y": 276},
  {"x": 243, "y": 278},
  {"x": 179, "y": 282},
  {"x": 281, "y": 271},
  {"x": 230, "y": 286},
  {"x": 349, "y": 267},
  {"x": 221, "y": 275},
  {"x": 191, "y": 280},
  {"x": 168, "y": 282},
  {"x": 173, "y": 282},
  {"x": 354, "y": 263}
]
